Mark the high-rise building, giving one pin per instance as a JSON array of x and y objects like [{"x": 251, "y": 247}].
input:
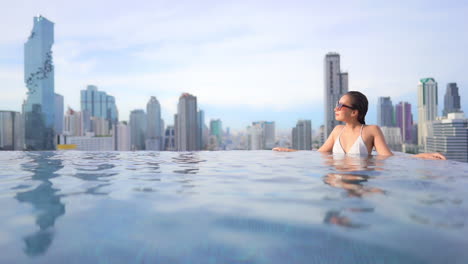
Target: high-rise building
[
  {"x": 393, "y": 138},
  {"x": 137, "y": 129},
  {"x": 385, "y": 112},
  {"x": 39, "y": 106},
  {"x": 122, "y": 135},
  {"x": 404, "y": 120},
  {"x": 216, "y": 129},
  {"x": 427, "y": 108},
  {"x": 100, "y": 126},
  {"x": 169, "y": 138},
  {"x": 11, "y": 131},
  {"x": 451, "y": 100},
  {"x": 99, "y": 104},
  {"x": 73, "y": 123},
  {"x": 59, "y": 111},
  {"x": 450, "y": 137},
  {"x": 255, "y": 137},
  {"x": 153, "y": 128},
  {"x": 261, "y": 135},
  {"x": 186, "y": 128},
  {"x": 302, "y": 135},
  {"x": 201, "y": 130},
  {"x": 336, "y": 85}
]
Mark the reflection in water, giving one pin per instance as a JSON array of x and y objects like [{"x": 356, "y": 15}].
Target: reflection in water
[
  {"x": 44, "y": 200},
  {"x": 352, "y": 182},
  {"x": 354, "y": 162},
  {"x": 187, "y": 163}
]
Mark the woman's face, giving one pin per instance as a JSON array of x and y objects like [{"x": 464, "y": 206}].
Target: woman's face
[{"x": 344, "y": 113}]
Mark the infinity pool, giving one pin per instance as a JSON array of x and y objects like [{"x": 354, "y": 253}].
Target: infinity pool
[{"x": 230, "y": 207}]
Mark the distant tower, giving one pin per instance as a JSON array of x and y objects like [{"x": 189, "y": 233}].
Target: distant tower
[
  {"x": 96, "y": 103},
  {"x": 336, "y": 85},
  {"x": 450, "y": 137},
  {"x": 137, "y": 129},
  {"x": 216, "y": 129},
  {"x": 302, "y": 135},
  {"x": 39, "y": 107},
  {"x": 451, "y": 100},
  {"x": 427, "y": 108},
  {"x": 59, "y": 112},
  {"x": 404, "y": 120},
  {"x": 187, "y": 128},
  {"x": 153, "y": 128},
  {"x": 385, "y": 112}
]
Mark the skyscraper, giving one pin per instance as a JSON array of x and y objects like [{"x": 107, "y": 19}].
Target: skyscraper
[
  {"x": 216, "y": 129},
  {"x": 302, "y": 135},
  {"x": 73, "y": 123},
  {"x": 137, "y": 129},
  {"x": 123, "y": 136},
  {"x": 451, "y": 100},
  {"x": 153, "y": 128},
  {"x": 336, "y": 85},
  {"x": 385, "y": 112},
  {"x": 450, "y": 137},
  {"x": 39, "y": 107},
  {"x": 427, "y": 108},
  {"x": 186, "y": 128},
  {"x": 267, "y": 135},
  {"x": 169, "y": 138},
  {"x": 201, "y": 129},
  {"x": 393, "y": 138},
  {"x": 404, "y": 120},
  {"x": 98, "y": 104},
  {"x": 58, "y": 114},
  {"x": 11, "y": 131}
]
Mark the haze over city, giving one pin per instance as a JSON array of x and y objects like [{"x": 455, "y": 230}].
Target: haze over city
[{"x": 244, "y": 61}]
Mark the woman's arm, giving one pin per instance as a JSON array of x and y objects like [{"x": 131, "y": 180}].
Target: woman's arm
[
  {"x": 284, "y": 149},
  {"x": 431, "y": 156},
  {"x": 382, "y": 148}
]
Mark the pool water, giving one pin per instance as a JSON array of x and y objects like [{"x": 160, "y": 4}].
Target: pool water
[{"x": 230, "y": 207}]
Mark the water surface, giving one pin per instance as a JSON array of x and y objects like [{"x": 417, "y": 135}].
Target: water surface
[{"x": 230, "y": 207}]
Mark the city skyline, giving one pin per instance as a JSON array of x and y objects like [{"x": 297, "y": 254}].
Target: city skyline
[{"x": 271, "y": 71}]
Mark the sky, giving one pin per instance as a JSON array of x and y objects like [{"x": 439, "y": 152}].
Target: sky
[{"x": 244, "y": 60}]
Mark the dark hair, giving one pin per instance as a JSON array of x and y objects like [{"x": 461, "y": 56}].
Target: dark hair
[{"x": 360, "y": 103}]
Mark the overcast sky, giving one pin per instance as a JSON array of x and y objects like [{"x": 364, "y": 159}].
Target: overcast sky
[{"x": 244, "y": 60}]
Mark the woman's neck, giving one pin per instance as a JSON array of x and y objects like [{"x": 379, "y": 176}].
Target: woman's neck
[{"x": 353, "y": 124}]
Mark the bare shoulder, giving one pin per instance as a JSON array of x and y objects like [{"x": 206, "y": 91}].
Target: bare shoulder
[{"x": 373, "y": 129}]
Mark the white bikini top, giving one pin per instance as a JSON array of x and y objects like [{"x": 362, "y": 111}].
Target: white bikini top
[{"x": 359, "y": 147}]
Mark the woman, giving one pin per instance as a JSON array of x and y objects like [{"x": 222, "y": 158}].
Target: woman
[{"x": 355, "y": 137}]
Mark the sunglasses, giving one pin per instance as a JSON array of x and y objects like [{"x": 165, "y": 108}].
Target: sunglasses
[{"x": 340, "y": 105}]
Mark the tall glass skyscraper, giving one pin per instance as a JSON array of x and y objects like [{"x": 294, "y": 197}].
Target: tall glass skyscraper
[
  {"x": 404, "y": 120},
  {"x": 451, "y": 100},
  {"x": 216, "y": 129},
  {"x": 427, "y": 108},
  {"x": 186, "y": 128},
  {"x": 137, "y": 129},
  {"x": 98, "y": 104},
  {"x": 59, "y": 111},
  {"x": 336, "y": 85},
  {"x": 39, "y": 106},
  {"x": 154, "y": 128},
  {"x": 302, "y": 135},
  {"x": 385, "y": 112}
]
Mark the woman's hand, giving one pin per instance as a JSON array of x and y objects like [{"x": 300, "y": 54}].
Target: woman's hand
[
  {"x": 430, "y": 156},
  {"x": 283, "y": 149}
]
